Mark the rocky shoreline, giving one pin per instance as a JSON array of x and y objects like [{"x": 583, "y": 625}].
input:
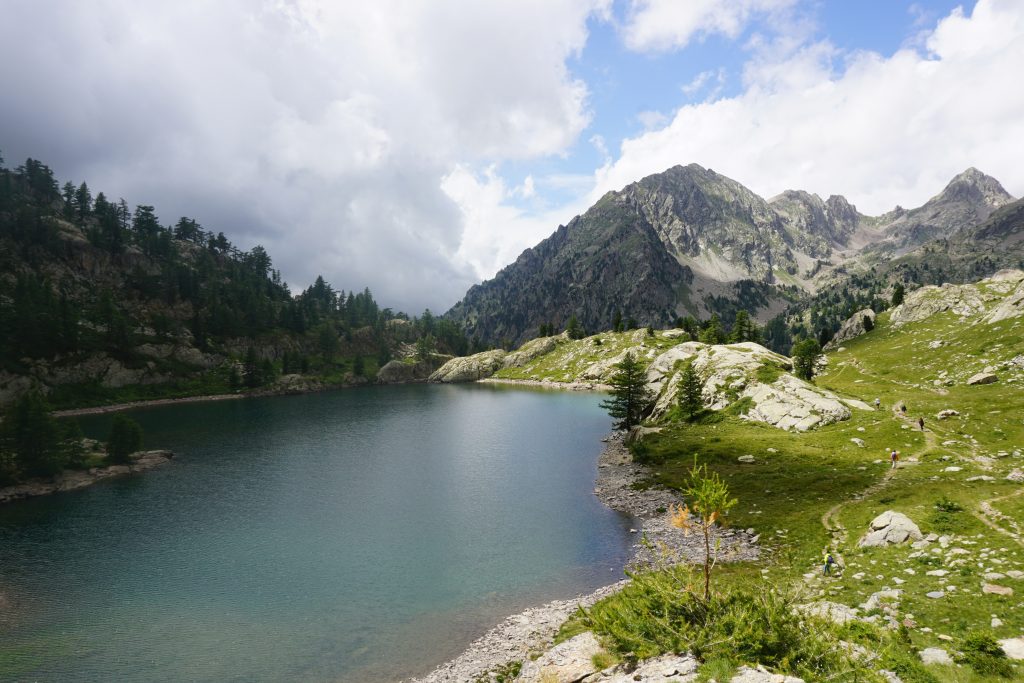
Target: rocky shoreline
[
  {"x": 620, "y": 486},
  {"x": 561, "y": 386},
  {"x": 118, "y": 407},
  {"x": 72, "y": 480}
]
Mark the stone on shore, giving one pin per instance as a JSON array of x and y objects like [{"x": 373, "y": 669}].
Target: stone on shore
[{"x": 890, "y": 528}]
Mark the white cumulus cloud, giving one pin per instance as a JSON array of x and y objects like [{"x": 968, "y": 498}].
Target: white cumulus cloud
[
  {"x": 880, "y": 129},
  {"x": 656, "y": 25}
]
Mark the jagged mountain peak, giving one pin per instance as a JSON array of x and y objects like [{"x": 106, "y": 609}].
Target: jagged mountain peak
[{"x": 975, "y": 186}]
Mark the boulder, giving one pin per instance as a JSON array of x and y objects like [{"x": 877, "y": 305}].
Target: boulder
[
  {"x": 791, "y": 403},
  {"x": 1016, "y": 476},
  {"x": 746, "y": 674},
  {"x": 746, "y": 458},
  {"x": 831, "y": 611},
  {"x": 983, "y": 378},
  {"x": 564, "y": 663},
  {"x": 994, "y": 589},
  {"x": 947, "y": 413},
  {"x": 859, "y": 442},
  {"x": 469, "y": 368},
  {"x": 935, "y": 655},
  {"x": 661, "y": 669},
  {"x": 890, "y": 528},
  {"x": 1013, "y": 647},
  {"x": 854, "y": 326}
]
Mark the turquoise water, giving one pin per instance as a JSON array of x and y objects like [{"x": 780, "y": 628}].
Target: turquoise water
[{"x": 359, "y": 535}]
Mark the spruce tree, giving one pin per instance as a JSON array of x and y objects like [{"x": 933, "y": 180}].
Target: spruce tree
[
  {"x": 630, "y": 397},
  {"x": 691, "y": 389},
  {"x": 574, "y": 328}
]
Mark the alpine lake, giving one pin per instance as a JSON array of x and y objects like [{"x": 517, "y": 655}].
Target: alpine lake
[{"x": 356, "y": 535}]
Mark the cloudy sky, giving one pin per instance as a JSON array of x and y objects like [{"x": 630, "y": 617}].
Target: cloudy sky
[{"x": 416, "y": 147}]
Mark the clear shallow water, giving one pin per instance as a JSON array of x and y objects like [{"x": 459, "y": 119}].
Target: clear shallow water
[{"x": 359, "y": 535}]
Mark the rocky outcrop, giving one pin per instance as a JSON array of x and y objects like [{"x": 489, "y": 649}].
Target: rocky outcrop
[
  {"x": 72, "y": 480},
  {"x": 533, "y": 349},
  {"x": 890, "y": 528},
  {"x": 996, "y": 298},
  {"x": 469, "y": 368},
  {"x": 753, "y": 375},
  {"x": 853, "y": 327},
  {"x": 790, "y": 403},
  {"x": 409, "y": 370}
]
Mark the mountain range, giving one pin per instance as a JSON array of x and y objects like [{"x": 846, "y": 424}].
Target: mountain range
[{"x": 690, "y": 241}]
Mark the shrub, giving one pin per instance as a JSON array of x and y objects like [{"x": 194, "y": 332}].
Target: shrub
[
  {"x": 982, "y": 653},
  {"x": 661, "y": 612}
]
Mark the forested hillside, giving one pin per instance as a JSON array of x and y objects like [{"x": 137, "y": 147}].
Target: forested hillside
[{"x": 100, "y": 303}]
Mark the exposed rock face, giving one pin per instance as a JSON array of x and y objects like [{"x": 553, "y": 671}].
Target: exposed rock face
[
  {"x": 854, "y": 326},
  {"x": 890, "y": 528},
  {"x": 469, "y": 368}
]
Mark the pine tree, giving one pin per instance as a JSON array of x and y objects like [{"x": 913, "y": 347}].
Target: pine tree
[
  {"x": 691, "y": 390},
  {"x": 630, "y": 397},
  {"x": 805, "y": 356},
  {"x": 713, "y": 332},
  {"x": 617, "y": 322},
  {"x": 125, "y": 438},
  {"x": 897, "y": 294},
  {"x": 30, "y": 433},
  {"x": 574, "y": 328},
  {"x": 744, "y": 329}
]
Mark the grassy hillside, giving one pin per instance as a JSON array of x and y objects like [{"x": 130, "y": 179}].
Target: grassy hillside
[{"x": 810, "y": 491}]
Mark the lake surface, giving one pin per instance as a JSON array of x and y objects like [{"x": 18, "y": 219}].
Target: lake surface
[{"x": 357, "y": 535}]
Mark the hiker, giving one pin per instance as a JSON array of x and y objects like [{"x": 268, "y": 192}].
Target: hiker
[
  {"x": 894, "y": 457},
  {"x": 920, "y": 423},
  {"x": 878, "y": 403},
  {"x": 829, "y": 561}
]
